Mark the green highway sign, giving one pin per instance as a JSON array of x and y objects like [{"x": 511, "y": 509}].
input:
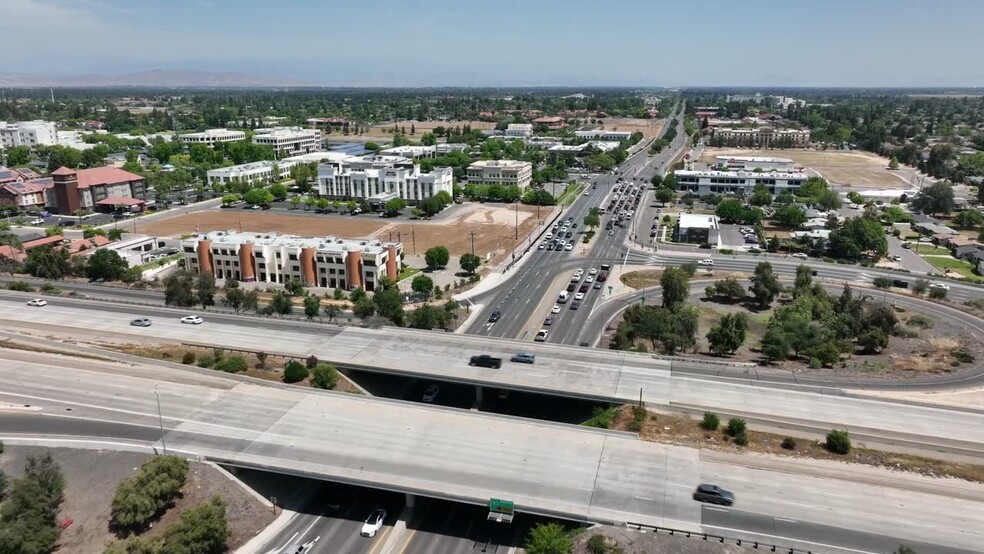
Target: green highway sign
[{"x": 501, "y": 506}]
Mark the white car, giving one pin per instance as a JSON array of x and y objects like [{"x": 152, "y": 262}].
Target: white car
[
  {"x": 193, "y": 319},
  {"x": 373, "y": 523},
  {"x": 37, "y": 302},
  {"x": 707, "y": 262},
  {"x": 800, "y": 255},
  {"x": 431, "y": 393},
  {"x": 555, "y": 309},
  {"x": 570, "y": 246},
  {"x": 37, "y": 221},
  {"x": 896, "y": 258},
  {"x": 549, "y": 236},
  {"x": 588, "y": 279},
  {"x": 942, "y": 286},
  {"x": 579, "y": 296},
  {"x": 541, "y": 335},
  {"x": 593, "y": 271}
]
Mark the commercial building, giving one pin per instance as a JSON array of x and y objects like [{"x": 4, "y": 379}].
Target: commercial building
[
  {"x": 501, "y": 172},
  {"x": 410, "y": 151},
  {"x": 697, "y": 229},
  {"x": 601, "y": 134},
  {"x": 551, "y": 123},
  {"x": 704, "y": 183},
  {"x": 28, "y": 133},
  {"x": 289, "y": 141},
  {"x": 886, "y": 195},
  {"x": 447, "y": 148},
  {"x": 254, "y": 172},
  {"x": 519, "y": 130},
  {"x": 212, "y": 136},
  {"x": 761, "y": 137},
  {"x": 99, "y": 188},
  {"x": 25, "y": 195},
  {"x": 328, "y": 262},
  {"x": 378, "y": 179},
  {"x": 751, "y": 163}
]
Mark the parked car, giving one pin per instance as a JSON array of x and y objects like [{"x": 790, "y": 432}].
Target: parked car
[
  {"x": 140, "y": 322},
  {"x": 373, "y": 523},
  {"x": 714, "y": 494},
  {"x": 192, "y": 319},
  {"x": 37, "y": 221},
  {"x": 524, "y": 357},
  {"x": 896, "y": 258},
  {"x": 541, "y": 335},
  {"x": 37, "y": 302}
]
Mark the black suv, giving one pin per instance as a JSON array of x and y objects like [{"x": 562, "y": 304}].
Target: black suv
[{"x": 496, "y": 314}]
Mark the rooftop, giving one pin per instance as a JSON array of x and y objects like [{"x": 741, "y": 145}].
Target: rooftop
[
  {"x": 698, "y": 221},
  {"x": 323, "y": 244},
  {"x": 759, "y": 159},
  {"x": 716, "y": 173},
  {"x": 511, "y": 164}
]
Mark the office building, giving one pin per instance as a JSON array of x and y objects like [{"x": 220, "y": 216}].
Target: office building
[
  {"x": 28, "y": 133},
  {"x": 97, "y": 189},
  {"x": 447, "y": 148},
  {"x": 704, "y": 183},
  {"x": 253, "y": 173},
  {"x": 327, "y": 262},
  {"x": 751, "y": 163},
  {"x": 410, "y": 151},
  {"x": 212, "y": 136},
  {"x": 519, "y": 130},
  {"x": 697, "y": 229},
  {"x": 501, "y": 172},
  {"x": 378, "y": 179},
  {"x": 289, "y": 141},
  {"x": 601, "y": 134},
  {"x": 761, "y": 137}
]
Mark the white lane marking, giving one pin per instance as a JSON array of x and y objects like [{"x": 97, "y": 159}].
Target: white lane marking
[
  {"x": 787, "y": 520},
  {"x": 645, "y": 498},
  {"x": 716, "y": 509},
  {"x": 290, "y": 540},
  {"x": 830, "y": 546},
  {"x": 313, "y": 523}
]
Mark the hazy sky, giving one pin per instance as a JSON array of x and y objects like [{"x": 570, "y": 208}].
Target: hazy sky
[{"x": 508, "y": 42}]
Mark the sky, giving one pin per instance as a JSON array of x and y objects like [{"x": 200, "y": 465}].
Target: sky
[{"x": 509, "y": 43}]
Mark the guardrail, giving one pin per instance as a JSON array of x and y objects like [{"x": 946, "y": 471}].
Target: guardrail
[{"x": 768, "y": 547}]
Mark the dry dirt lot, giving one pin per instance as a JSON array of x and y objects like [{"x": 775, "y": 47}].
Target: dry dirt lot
[
  {"x": 494, "y": 226},
  {"x": 421, "y": 127},
  {"x": 648, "y": 127},
  {"x": 840, "y": 167},
  {"x": 92, "y": 476}
]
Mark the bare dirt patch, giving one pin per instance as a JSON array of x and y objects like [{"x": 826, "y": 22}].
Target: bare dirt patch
[
  {"x": 642, "y": 279},
  {"x": 648, "y": 127},
  {"x": 385, "y": 131},
  {"x": 223, "y": 220},
  {"x": 842, "y": 167}
]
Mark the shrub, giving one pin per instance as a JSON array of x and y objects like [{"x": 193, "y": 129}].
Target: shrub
[
  {"x": 904, "y": 332},
  {"x": 963, "y": 356},
  {"x": 48, "y": 288},
  {"x": 262, "y": 358},
  {"x": 21, "y": 286},
  {"x": 788, "y": 443},
  {"x": 711, "y": 421},
  {"x": 295, "y": 371},
  {"x": 736, "y": 425},
  {"x": 838, "y": 442},
  {"x": 188, "y": 358},
  {"x": 206, "y": 361},
  {"x": 1, "y": 447},
  {"x": 324, "y": 376},
  {"x": 639, "y": 417},
  {"x": 218, "y": 354},
  {"x": 597, "y": 544},
  {"x": 141, "y": 498},
  {"x": 601, "y": 418},
  {"x": 741, "y": 438},
  {"x": 919, "y": 320},
  {"x": 232, "y": 364},
  {"x": 311, "y": 362}
]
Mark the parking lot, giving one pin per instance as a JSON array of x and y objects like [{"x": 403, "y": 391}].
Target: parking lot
[{"x": 732, "y": 237}]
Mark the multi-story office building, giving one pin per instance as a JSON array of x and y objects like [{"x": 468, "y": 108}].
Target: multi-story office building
[
  {"x": 99, "y": 188},
  {"x": 704, "y": 183},
  {"x": 410, "y": 151},
  {"x": 501, "y": 172},
  {"x": 519, "y": 130},
  {"x": 380, "y": 178},
  {"x": 447, "y": 148},
  {"x": 289, "y": 141},
  {"x": 762, "y": 137},
  {"x": 254, "y": 173},
  {"x": 28, "y": 133},
  {"x": 328, "y": 262},
  {"x": 751, "y": 163},
  {"x": 601, "y": 134},
  {"x": 212, "y": 136}
]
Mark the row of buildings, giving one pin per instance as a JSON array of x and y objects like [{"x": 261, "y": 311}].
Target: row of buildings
[
  {"x": 740, "y": 175},
  {"x": 68, "y": 191}
]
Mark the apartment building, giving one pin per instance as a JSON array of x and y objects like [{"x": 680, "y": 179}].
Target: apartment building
[
  {"x": 601, "y": 134},
  {"x": 254, "y": 173},
  {"x": 99, "y": 188},
  {"x": 28, "y": 133},
  {"x": 212, "y": 136},
  {"x": 327, "y": 262},
  {"x": 501, "y": 172},
  {"x": 378, "y": 179},
  {"x": 289, "y": 141},
  {"x": 761, "y": 137},
  {"x": 704, "y": 183},
  {"x": 752, "y": 163}
]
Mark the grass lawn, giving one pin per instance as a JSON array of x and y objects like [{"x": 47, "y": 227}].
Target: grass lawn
[
  {"x": 927, "y": 248},
  {"x": 570, "y": 193},
  {"x": 407, "y": 272},
  {"x": 945, "y": 262}
]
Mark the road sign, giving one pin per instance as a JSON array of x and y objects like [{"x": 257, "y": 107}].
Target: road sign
[{"x": 501, "y": 506}]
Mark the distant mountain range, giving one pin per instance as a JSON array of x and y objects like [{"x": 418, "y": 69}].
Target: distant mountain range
[{"x": 157, "y": 78}]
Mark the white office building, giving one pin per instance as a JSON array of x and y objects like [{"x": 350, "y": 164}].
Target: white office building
[
  {"x": 212, "y": 136},
  {"x": 601, "y": 134},
  {"x": 378, "y": 179},
  {"x": 519, "y": 130},
  {"x": 447, "y": 148},
  {"x": 410, "y": 151},
  {"x": 704, "y": 183},
  {"x": 28, "y": 133},
  {"x": 751, "y": 163},
  {"x": 501, "y": 172},
  {"x": 255, "y": 173},
  {"x": 289, "y": 141}
]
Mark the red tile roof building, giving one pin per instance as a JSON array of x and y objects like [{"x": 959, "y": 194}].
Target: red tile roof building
[{"x": 84, "y": 189}]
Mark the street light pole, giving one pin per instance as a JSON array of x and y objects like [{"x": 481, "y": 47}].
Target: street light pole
[{"x": 160, "y": 419}]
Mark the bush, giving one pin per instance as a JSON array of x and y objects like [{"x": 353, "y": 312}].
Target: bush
[
  {"x": 141, "y": 498},
  {"x": 736, "y": 425},
  {"x": 919, "y": 320},
  {"x": 311, "y": 362},
  {"x": 788, "y": 443},
  {"x": 188, "y": 358},
  {"x": 597, "y": 544},
  {"x": 232, "y": 364},
  {"x": 601, "y": 418},
  {"x": 838, "y": 442},
  {"x": 21, "y": 286},
  {"x": 549, "y": 538},
  {"x": 48, "y": 288},
  {"x": 741, "y": 438},
  {"x": 295, "y": 371},
  {"x": 262, "y": 358},
  {"x": 639, "y": 417},
  {"x": 206, "y": 361},
  {"x": 963, "y": 356},
  {"x": 711, "y": 422},
  {"x": 324, "y": 376}
]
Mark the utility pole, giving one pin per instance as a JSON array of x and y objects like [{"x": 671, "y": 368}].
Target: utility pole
[
  {"x": 517, "y": 221},
  {"x": 413, "y": 238},
  {"x": 472, "y": 234},
  {"x": 160, "y": 419}
]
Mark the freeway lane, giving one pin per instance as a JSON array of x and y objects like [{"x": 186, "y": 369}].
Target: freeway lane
[
  {"x": 559, "y": 370},
  {"x": 443, "y": 452}
]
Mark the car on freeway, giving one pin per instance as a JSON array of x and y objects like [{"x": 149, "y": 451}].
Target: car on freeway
[
  {"x": 800, "y": 255},
  {"x": 431, "y": 393},
  {"x": 555, "y": 309},
  {"x": 588, "y": 279},
  {"x": 941, "y": 286},
  {"x": 708, "y": 262},
  {"x": 373, "y": 523},
  {"x": 597, "y": 285},
  {"x": 713, "y": 494},
  {"x": 602, "y": 277},
  {"x": 579, "y": 296},
  {"x": 548, "y": 321},
  {"x": 38, "y": 302},
  {"x": 524, "y": 357},
  {"x": 140, "y": 322},
  {"x": 541, "y": 335},
  {"x": 494, "y": 316},
  {"x": 192, "y": 319},
  {"x": 575, "y": 305}
]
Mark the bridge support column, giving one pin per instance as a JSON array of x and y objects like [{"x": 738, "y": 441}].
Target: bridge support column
[
  {"x": 478, "y": 394},
  {"x": 411, "y": 501}
]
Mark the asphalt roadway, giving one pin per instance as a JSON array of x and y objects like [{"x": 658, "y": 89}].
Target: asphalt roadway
[{"x": 440, "y": 452}]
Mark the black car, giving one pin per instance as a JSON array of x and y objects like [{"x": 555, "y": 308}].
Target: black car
[
  {"x": 494, "y": 316},
  {"x": 714, "y": 494},
  {"x": 575, "y": 304}
]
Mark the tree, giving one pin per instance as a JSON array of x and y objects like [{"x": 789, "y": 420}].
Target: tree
[
  {"x": 729, "y": 288},
  {"x": 437, "y": 257},
  {"x": 428, "y": 139},
  {"x": 373, "y": 147},
  {"x": 934, "y": 199},
  {"x": 18, "y": 156},
  {"x": 324, "y": 376},
  {"x": 278, "y": 191},
  {"x": 549, "y": 538},
  {"x": 729, "y": 211},
  {"x": 937, "y": 293},
  {"x": 856, "y": 236},
  {"x": 760, "y": 196},
  {"x": 664, "y": 195},
  {"x": 422, "y": 285},
  {"x": 765, "y": 284},
  {"x": 881, "y": 283},
  {"x": 469, "y": 262},
  {"x": 711, "y": 422},
  {"x": 838, "y": 442},
  {"x": 312, "y": 306},
  {"x": 280, "y": 303},
  {"x": 775, "y": 345},
  {"x": 593, "y": 218},
  {"x": 393, "y": 206},
  {"x": 656, "y": 180},
  {"x": 364, "y": 308},
  {"x": 205, "y": 289},
  {"x": 389, "y": 304},
  {"x": 141, "y": 498},
  {"x": 672, "y": 329},
  {"x": 47, "y": 263},
  {"x": 115, "y": 234},
  {"x": 202, "y": 529},
  {"x": 233, "y": 295},
  {"x": 294, "y": 287},
  {"x": 728, "y": 335},
  {"x": 828, "y": 200},
  {"x": 790, "y": 216},
  {"x": 179, "y": 289},
  {"x": 28, "y": 515},
  {"x": 920, "y": 286},
  {"x": 106, "y": 264},
  {"x": 675, "y": 283},
  {"x": 893, "y": 164},
  {"x": 427, "y": 317},
  {"x": 804, "y": 278},
  {"x": 873, "y": 340},
  {"x": 969, "y": 219},
  {"x": 331, "y": 311}
]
